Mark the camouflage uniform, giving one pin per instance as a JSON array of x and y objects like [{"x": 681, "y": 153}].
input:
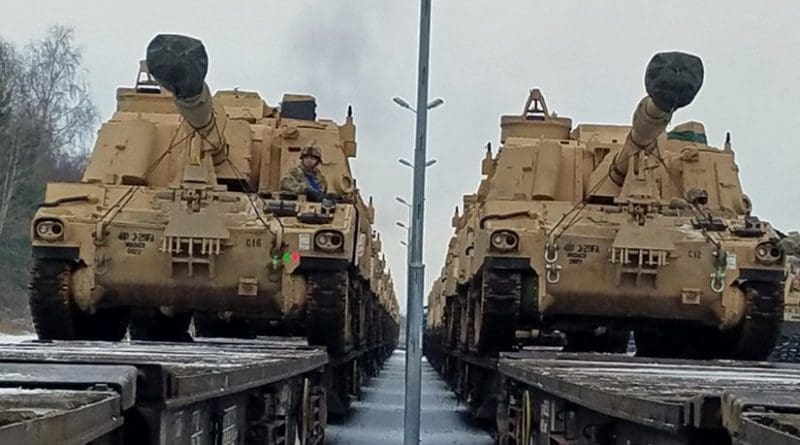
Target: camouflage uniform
[{"x": 296, "y": 180}]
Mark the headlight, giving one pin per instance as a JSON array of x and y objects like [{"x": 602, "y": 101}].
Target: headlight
[
  {"x": 48, "y": 229},
  {"x": 329, "y": 241},
  {"x": 768, "y": 253},
  {"x": 504, "y": 241}
]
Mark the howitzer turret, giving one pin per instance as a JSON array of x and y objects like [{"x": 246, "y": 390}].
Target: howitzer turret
[
  {"x": 672, "y": 80},
  {"x": 179, "y": 64}
]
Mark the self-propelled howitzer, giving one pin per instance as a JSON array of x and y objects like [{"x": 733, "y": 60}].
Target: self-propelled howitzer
[
  {"x": 180, "y": 213},
  {"x": 594, "y": 231}
]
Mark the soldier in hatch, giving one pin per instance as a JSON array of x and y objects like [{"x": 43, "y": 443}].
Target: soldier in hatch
[
  {"x": 306, "y": 177},
  {"x": 698, "y": 198}
]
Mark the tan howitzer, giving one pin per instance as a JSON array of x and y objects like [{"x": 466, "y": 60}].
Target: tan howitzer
[
  {"x": 180, "y": 63},
  {"x": 672, "y": 80}
]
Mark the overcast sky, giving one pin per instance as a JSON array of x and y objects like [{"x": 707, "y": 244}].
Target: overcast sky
[{"x": 588, "y": 58}]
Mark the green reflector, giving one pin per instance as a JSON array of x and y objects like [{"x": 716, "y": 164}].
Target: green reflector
[{"x": 688, "y": 136}]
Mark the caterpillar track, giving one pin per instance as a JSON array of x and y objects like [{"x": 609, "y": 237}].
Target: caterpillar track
[
  {"x": 55, "y": 316},
  {"x": 761, "y": 330},
  {"x": 329, "y": 311},
  {"x": 496, "y": 308}
]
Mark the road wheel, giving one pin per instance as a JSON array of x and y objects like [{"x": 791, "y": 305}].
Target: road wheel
[{"x": 56, "y": 317}]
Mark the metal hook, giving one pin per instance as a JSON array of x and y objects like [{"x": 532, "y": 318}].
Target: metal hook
[
  {"x": 717, "y": 283},
  {"x": 553, "y": 274},
  {"x": 547, "y": 249}
]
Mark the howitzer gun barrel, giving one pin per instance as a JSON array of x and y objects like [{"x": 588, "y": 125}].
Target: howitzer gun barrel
[
  {"x": 672, "y": 80},
  {"x": 179, "y": 63}
]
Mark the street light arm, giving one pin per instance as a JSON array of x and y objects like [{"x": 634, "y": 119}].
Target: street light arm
[
  {"x": 410, "y": 165},
  {"x": 435, "y": 103},
  {"x": 403, "y": 103}
]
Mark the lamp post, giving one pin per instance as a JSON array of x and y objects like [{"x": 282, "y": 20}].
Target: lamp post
[{"x": 416, "y": 268}]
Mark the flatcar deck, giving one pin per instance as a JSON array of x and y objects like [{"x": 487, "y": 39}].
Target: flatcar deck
[
  {"x": 203, "y": 392},
  {"x": 31, "y": 416},
  {"x": 669, "y": 401}
]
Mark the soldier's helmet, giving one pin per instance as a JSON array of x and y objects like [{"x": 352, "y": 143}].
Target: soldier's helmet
[
  {"x": 311, "y": 151},
  {"x": 697, "y": 196}
]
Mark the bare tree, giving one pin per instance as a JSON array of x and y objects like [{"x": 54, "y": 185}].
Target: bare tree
[
  {"x": 55, "y": 92},
  {"x": 10, "y": 152},
  {"x": 46, "y": 125},
  {"x": 49, "y": 115}
]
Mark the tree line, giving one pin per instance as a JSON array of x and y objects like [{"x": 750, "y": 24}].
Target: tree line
[{"x": 47, "y": 120}]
